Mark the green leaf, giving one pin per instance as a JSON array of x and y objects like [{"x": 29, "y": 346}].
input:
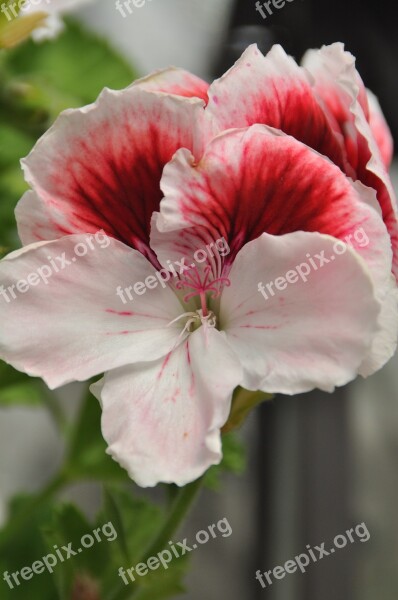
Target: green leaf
[
  {"x": 9, "y": 376},
  {"x": 137, "y": 523},
  {"x": 125, "y": 527},
  {"x": 68, "y": 72},
  {"x": 114, "y": 512},
  {"x": 13, "y": 144},
  {"x": 162, "y": 583},
  {"x": 67, "y": 529},
  {"x": 30, "y": 393},
  {"x": 155, "y": 585},
  {"x": 23, "y": 548},
  {"x": 18, "y": 388},
  {"x": 9, "y": 239}
]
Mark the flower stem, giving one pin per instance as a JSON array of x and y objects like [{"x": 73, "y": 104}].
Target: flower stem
[{"x": 179, "y": 510}]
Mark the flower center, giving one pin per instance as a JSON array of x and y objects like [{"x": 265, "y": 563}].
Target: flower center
[
  {"x": 202, "y": 284},
  {"x": 195, "y": 320}
]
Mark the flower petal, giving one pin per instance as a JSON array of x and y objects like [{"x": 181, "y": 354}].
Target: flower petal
[
  {"x": 385, "y": 342},
  {"x": 312, "y": 332},
  {"x": 339, "y": 86},
  {"x": 257, "y": 180},
  {"x": 380, "y": 129},
  {"x": 99, "y": 167},
  {"x": 162, "y": 419},
  {"x": 254, "y": 181},
  {"x": 70, "y": 324},
  {"x": 275, "y": 91},
  {"x": 175, "y": 81},
  {"x": 35, "y": 220},
  {"x": 371, "y": 240}
]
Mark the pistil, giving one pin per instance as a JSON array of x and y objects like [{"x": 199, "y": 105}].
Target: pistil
[{"x": 193, "y": 280}]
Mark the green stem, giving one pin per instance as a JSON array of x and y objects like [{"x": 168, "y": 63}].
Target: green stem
[{"x": 179, "y": 510}]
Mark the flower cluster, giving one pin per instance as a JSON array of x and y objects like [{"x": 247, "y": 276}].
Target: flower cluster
[{"x": 278, "y": 160}]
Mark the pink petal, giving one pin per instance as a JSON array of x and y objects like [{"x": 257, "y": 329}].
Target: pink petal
[
  {"x": 380, "y": 129},
  {"x": 254, "y": 181},
  {"x": 339, "y": 86},
  {"x": 99, "y": 167},
  {"x": 75, "y": 325},
  {"x": 35, "y": 220},
  {"x": 378, "y": 256},
  {"x": 275, "y": 91},
  {"x": 175, "y": 81},
  {"x": 303, "y": 334},
  {"x": 162, "y": 419}
]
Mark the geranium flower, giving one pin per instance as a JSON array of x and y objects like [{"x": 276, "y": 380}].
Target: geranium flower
[{"x": 167, "y": 167}]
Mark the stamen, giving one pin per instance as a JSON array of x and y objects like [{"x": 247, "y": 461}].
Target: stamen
[
  {"x": 209, "y": 320},
  {"x": 193, "y": 317},
  {"x": 186, "y": 314}
]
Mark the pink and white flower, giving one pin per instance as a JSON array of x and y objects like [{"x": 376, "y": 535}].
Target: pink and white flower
[{"x": 259, "y": 158}]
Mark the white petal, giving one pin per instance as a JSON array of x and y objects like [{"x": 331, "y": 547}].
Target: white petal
[
  {"x": 75, "y": 325},
  {"x": 162, "y": 420},
  {"x": 372, "y": 242},
  {"x": 340, "y": 87},
  {"x": 385, "y": 342},
  {"x": 308, "y": 334}
]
